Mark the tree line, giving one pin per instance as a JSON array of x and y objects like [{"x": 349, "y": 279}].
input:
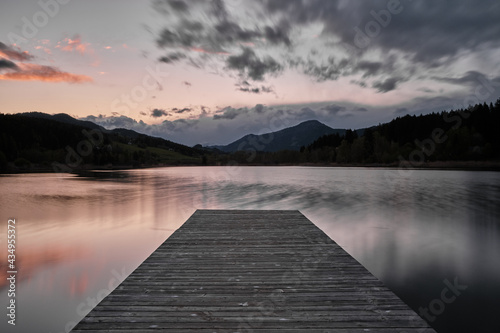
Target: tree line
[
  {"x": 39, "y": 143},
  {"x": 470, "y": 134},
  {"x": 467, "y": 134}
]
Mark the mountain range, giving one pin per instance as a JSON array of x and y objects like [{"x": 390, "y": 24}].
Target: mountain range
[
  {"x": 291, "y": 138},
  {"x": 38, "y": 141}
]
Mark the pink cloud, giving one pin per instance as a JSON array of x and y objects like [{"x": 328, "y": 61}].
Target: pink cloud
[
  {"x": 44, "y": 49},
  {"x": 34, "y": 72},
  {"x": 75, "y": 44},
  {"x": 14, "y": 53}
]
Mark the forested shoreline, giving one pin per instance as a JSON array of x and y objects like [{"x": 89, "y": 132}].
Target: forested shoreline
[
  {"x": 471, "y": 134},
  {"x": 463, "y": 138}
]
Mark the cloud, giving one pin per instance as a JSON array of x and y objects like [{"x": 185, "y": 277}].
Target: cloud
[
  {"x": 321, "y": 38},
  {"x": 165, "y": 6},
  {"x": 369, "y": 68},
  {"x": 245, "y": 86},
  {"x": 305, "y": 112},
  {"x": 249, "y": 65},
  {"x": 467, "y": 79},
  {"x": 176, "y": 110},
  {"x": 279, "y": 34},
  {"x": 75, "y": 44},
  {"x": 178, "y": 5},
  {"x": 426, "y": 90},
  {"x": 386, "y": 85},
  {"x": 326, "y": 70},
  {"x": 401, "y": 111},
  {"x": 360, "y": 83},
  {"x": 157, "y": 113},
  {"x": 23, "y": 71},
  {"x": 226, "y": 124},
  {"x": 4, "y": 63},
  {"x": 333, "y": 108},
  {"x": 229, "y": 113},
  {"x": 33, "y": 72},
  {"x": 12, "y": 53},
  {"x": 426, "y": 31},
  {"x": 186, "y": 83},
  {"x": 172, "y": 57},
  {"x": 259, "y": 108}
]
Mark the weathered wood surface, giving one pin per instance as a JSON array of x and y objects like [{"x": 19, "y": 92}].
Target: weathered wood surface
[{"x": 251, "y": 271}]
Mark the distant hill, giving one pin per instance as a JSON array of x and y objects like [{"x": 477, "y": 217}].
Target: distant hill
[
  {"x": 291, "y": 138},
  {"x": 63, "y": 118},
  {"x": 35, "y": 140}
]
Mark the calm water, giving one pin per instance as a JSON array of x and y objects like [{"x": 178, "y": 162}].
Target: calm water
[{"x": 78, "y": 236}]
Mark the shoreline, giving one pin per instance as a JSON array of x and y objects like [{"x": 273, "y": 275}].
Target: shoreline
[{"x": 437, "y": 165}]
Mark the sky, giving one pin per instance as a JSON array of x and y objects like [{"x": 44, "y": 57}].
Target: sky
[{"x": 211, "y": 71}]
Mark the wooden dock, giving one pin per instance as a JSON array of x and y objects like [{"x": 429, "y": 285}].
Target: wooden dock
[{"x": 251, "y": 271}]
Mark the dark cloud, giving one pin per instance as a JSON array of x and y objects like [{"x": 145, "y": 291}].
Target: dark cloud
[
  {"x": 186, "y": 83},
  {"x": 158, "y": 113},
  {"x": 327, "y": 70},
  {"x": 229, "y": 32},
  {"x": 426, "y": 30},
  {"x": 249, "y": 65},
  {"x": 176, "y": 110},
  {"x": 369, "y": 39},
  {"x": 14, "y": 54},
  {"x": 172, "y": 57},
  {"x": 4, "y": 63},
  {"x": 369, "y": 68},
  {"x": 112, "y": 122},
  {"x": 219, "y": 10},
  {"x": 229, "y": 113},
  {"x": 360, "y": 83},
  {"x": 250, "y": 90},
  {"x": 401, "y": 111},
  {"x": 259, "y": 108},
  {"x": 305, "y": 112},
  {"x": 333, "y": 109},
  {"x": 469, "y": 78},
  {"x": 205, "y": 110},
  {"x": 172, "y": 6},
  {"x": 279, "y": 34},
  {"x": 245, "y": 86},
  {"x": 360, "y": 109},
  {"x": 218, "y": 31},
  {"x": 180, "y": 38},
  {"x": 265, "y": 89},
  {"x": 178, "y": 5},
  {"x": 386, "y": 85}
]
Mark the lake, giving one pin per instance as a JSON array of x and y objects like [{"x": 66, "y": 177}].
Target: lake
[{"x": 433, "y": 237}]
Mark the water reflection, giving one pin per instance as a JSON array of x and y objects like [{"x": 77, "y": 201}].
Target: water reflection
[{"x": 79, "y": 234}]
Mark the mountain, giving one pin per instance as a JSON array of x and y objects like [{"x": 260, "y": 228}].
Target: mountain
[
  {"x": 63, "y": 118},
  {"x": 291, "y": 138},
  {"x": 34, "y": 141}
]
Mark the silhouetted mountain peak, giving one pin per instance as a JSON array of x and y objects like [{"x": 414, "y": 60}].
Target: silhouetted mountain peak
[{"x": 291, "y": 138}]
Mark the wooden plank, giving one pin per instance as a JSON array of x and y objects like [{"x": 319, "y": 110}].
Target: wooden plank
[{"x": 251, "y": 271}]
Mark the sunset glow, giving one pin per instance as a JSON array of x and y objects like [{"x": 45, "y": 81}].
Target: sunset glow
[{"x": 210, "y": 57}]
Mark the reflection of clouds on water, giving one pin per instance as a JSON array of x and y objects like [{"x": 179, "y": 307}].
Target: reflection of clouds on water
[{"x": 30, "y": 260}]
